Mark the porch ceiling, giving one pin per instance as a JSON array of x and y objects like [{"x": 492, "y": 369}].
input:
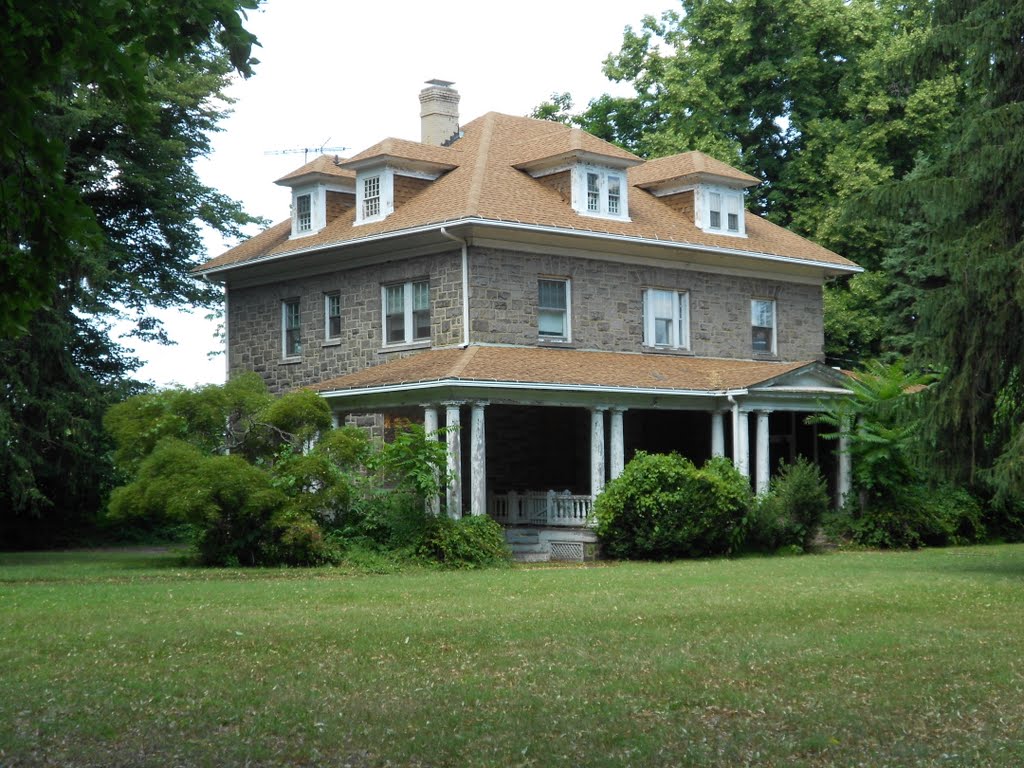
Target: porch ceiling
[{"x": 614, "y": 377}]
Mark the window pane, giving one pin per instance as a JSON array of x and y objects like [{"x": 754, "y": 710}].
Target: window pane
[
  {"x": 762, "y": 313},
  {"x": 683, "y": 339},
  {"x": 421, "y": 296},
  {"x": 661, "y": 309},
  {"x": 421, "y": 324},
  {"x": 715, "y": 210},
  {"x": 303, "y": 213},
  {"x": 395, "y": 298},
  {"x": 552, "y": 294},
  {"x": 333, "y": 310},
  {"x": 593, "y": 192},
  {"x": 614, "y": 191},
  {"x": 292, "y": 337},
  {"x": 733, "y": 218},
  {"x": 551, "y": 323},
  {"x": 371, "y": 196}
]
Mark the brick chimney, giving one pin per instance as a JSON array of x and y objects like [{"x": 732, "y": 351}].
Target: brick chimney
[{"x": 439, "y": 113}]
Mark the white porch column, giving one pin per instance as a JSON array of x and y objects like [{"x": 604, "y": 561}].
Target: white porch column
[
  {"x": 844, "y": 468},
  {"x": 717, "y": 434},
  {"x": 763, "y": 465},
  {"x": 478, "y": 462},
  {"x": 430, "y": 429},
  {"x": 596, "y": 451},
  {"x": 618, "y": 448},
  {"x": 741, "y": 446},
  {"x": 453, "y": 431}
]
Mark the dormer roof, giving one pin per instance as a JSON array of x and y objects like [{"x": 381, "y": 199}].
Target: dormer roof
[
  {"x": 689, "y": 168},
  {"x": 323, "y": 168},
  {"x": 412, "y": 155},
  {"x": 483, "y": 186},
  {"x": 565, "y": 146}
]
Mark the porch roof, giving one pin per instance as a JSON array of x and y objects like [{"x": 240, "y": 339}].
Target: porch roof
[{"x": 545, "y": 367}]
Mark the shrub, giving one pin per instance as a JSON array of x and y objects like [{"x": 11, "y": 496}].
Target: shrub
[
  {"x": 662, "y": 506},
  {"x": 789, "y": 514},
  {"x": 470, "y": 542}
]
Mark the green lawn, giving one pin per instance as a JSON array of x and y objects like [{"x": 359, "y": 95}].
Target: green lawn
[{"x": 898, "y": 659}]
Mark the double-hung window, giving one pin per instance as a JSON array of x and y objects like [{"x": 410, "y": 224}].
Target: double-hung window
[
  {"x": 553, "y": 310},
  {"x": 371, "y": 197},
  {"x": 291, "y": 336},
  {"x": 666, "y": 319},
  {"x": 725, "y": 212},
  {"x": 332, "y": 316},
  {"x": 407, "y": 312},
  {"x": 600, "y": 192},
  {"x": 303, "y": 213},
  {"x": 762, "y": 325}
]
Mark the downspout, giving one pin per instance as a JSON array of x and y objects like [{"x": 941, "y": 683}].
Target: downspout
[{"x": 465, "y": 284}]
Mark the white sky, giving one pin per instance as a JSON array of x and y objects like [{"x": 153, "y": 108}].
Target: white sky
[{"x": 349, "y": 74}]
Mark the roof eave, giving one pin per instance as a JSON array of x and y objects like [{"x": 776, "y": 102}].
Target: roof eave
[{"x": 831, "y": 269}]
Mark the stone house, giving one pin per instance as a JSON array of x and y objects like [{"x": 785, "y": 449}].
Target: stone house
[{"x": 558, "y": 300}]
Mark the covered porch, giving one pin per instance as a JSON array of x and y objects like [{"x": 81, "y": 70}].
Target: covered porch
[{"x": 535, "y": 452}]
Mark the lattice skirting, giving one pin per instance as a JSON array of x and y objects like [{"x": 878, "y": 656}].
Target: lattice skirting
[{"x": 567, "y": 550}]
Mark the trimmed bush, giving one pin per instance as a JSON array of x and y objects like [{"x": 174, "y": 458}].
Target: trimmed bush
[
  {"x": 470, "y": 542},
  {"x": 663, "y": 507},
  {"x": 789, "y": 514}
]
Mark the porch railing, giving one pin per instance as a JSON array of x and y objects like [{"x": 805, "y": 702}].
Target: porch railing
[{"x": 540, "y": 508}]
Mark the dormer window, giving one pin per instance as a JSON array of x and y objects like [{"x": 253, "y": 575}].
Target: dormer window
[
  {"x": 724, "y": 211},
  {"x": 599, "y": 192},
  {"x": 303, "y": 213},
  {"x": 374, "y": 194}
]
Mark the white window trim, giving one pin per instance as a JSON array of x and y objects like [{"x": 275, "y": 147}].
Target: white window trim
[
  {"x": 327, "y": 315},
  {"x": 317, "y": 209},
  {"x": 774, "y": 326},
  {"x": 387, "y": 194},
  {"x": 285, "y": 303},
  {"x": 407, "y": 313},
  {"x": 705, "y": 191},
  {"x": 680, "y": 319},
  {"x": 580, "y": 190},
  {"x": 567, "y": 338}
]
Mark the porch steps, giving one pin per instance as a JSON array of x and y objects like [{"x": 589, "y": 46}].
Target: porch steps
[{"x": 527, "y": 547}]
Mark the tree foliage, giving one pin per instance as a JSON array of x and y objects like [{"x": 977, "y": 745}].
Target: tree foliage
[{"x": 106, "y": 107}]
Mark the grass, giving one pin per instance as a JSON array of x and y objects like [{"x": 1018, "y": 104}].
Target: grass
[{"x": 901, "y": 659}]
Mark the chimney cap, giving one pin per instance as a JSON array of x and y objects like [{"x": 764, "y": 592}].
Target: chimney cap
[{"x": 441, "y": 83}]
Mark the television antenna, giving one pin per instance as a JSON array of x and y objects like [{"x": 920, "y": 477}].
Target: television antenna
[{"x": 322, "y": 149}]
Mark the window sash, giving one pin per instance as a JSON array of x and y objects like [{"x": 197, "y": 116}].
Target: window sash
[
  {"x": 553, "y": 309},
  {"x": 593, "y": 192},
  {"x": 715, "y": 210},
  {"x": 303, "y": 213},
  {"x": 762, "y": 324},
  {"x": 332, "y": 312},
  {"x": 732, "y": 216},
  {"x": 407, "y": 312},
  {"x": 291, "y": 324},
  {"x": 614, "y": 194},
  {"x": 666, "y": 318},
  {"x": 371, "y": 197}
]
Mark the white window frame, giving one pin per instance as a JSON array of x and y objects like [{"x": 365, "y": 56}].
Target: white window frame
[
  {"x": 755, "y": 304},
  {"x": 286, "y": 317},
  {"x": 304, "y": 218},
  {"x": 593, "y": 192},
  {"x": 328, "y": 298},
  {"x": 719, "y": 204},
  {"x": 565, "y": 337},
  {"x": 385, "y": 178},
  {"x": 408, "y": 314},
  {"x": 679, "y": 328}
]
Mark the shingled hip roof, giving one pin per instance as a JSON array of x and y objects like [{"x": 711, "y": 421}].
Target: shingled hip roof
[{"x": 576, "y": 370}]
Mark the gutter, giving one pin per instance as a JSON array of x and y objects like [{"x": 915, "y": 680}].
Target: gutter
[
  {"x": 520, "y": 227},
  {"x": 465, "y": 284},
  {"x": 415, "y": 386}
]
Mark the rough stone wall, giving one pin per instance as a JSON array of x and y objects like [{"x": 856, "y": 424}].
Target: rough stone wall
[
  {"x": 254, "y": 320},
  {"x": 607, "y": 305}
]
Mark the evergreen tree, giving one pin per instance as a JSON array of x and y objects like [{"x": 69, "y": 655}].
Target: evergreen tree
[{"x": 105, "y": 171}]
